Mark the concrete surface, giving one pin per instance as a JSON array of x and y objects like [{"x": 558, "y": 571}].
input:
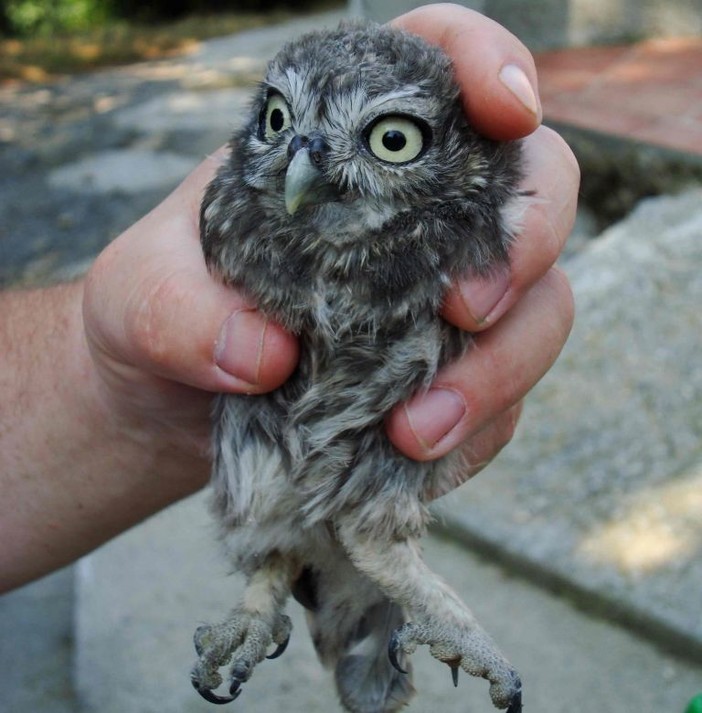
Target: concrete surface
[
  {"x": 142, "y": 596},
  {"x": 36, "y": 647}
]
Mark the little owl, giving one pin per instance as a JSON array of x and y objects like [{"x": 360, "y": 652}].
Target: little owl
[{"x": 353, "y": 196}]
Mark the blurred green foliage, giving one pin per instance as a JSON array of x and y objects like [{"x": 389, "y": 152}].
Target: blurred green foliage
[
  {"x": 24, "y": 18},
  {"x": 31, "y": 17},
  {"x": 43, "y": 39}
]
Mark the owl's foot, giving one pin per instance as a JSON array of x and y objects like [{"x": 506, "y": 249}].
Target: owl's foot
[
  {"x": 468, "y": 648},
  {"x": 243, "y": 639}
]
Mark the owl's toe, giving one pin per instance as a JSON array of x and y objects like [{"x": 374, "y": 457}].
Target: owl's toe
[
  {"x": 241, "y": 641},
  {"x": 469, "y": 649}
]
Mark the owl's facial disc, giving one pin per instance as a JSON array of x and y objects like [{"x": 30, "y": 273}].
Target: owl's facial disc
[{"x": 305, "y": 183}]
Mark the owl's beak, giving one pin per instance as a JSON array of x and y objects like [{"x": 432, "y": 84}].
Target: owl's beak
[{"x": 305, "y": 183}]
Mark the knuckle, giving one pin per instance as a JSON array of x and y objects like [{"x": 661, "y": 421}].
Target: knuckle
[
  {"x": 563, "y": 152},
  {"x": 503, "y": 428},
  {"x": 481, "y": 449},
  {"x": 149, "y": 320},
  {"x": 555, "y": 171},
  {"x": 101, "y": 315},
  {"x": 550, "y": 238},
  {"x": 99, "y": 275},
  {"x": 563, "y": 297},
  {"x": 510, "y": 421}
]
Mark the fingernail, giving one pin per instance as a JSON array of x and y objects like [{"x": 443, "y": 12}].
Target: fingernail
[
  {"x": 239, "y": 347},
  {"x": 518, "y": 83},
  {"x": 433, "y": 415},
  {"x": 481, "y": 295}
]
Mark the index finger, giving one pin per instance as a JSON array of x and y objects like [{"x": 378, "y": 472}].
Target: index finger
[{"x": 495, "y": 71}]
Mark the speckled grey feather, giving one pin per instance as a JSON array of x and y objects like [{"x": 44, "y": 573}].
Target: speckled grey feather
[{"x": 311, "y": 496}]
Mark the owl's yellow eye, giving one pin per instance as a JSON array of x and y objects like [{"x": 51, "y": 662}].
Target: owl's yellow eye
[
  {"x": 396, "y": 139},
  {"x": 276, "y": 118}
]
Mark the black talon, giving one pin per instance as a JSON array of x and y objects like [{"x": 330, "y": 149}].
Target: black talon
[
  {"x": 207, "y": 694},
  {"x": 454, "y": 676},
  {"x": 281, "y": 649},
  {"x": 235, "y": 689},
  {"x": 515, "y": 705},
  {"x": 393, "y": 647}
]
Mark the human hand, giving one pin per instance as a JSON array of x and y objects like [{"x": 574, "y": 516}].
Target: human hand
[
  {"x": 164, "y": 334},
  {"x": 523, "y": 316}
]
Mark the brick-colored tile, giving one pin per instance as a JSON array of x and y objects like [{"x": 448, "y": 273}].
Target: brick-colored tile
[
  {"x": 675, "y": 60},
  {"x": 673, "y": 133},
  {"x": 587, "y": 59},
  {"x": 589, "y": 115},
  {"x": 654, "y": 100},
  {"x": 651, "y": 91},
  {"x": 573, "y": 70}
]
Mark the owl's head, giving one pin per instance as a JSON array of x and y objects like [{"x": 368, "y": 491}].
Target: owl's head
[{"x": 365, "y": 119}]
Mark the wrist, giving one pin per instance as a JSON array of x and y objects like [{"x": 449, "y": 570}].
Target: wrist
[{"x": 75, "y": 471}]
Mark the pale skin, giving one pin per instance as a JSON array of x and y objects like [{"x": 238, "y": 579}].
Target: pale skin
[{"x": 106, "y": 383}]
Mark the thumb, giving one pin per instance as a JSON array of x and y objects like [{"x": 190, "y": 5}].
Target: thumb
[{"x": 150, "y": 303}]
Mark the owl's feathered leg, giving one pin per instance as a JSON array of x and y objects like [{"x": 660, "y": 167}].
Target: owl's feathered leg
[
  {"x": 351, "y": 621},
  {"x": 246, "y": 636},
  {"x": 438, "y": 617}
]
